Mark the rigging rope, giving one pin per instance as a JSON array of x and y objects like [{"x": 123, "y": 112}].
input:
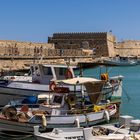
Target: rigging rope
[{"x": 126, "y": 93}]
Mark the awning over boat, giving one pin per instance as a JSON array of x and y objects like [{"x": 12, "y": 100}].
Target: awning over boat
[
  {"x": 79, "y": 81},
  {"x": 93, "y": 86}
]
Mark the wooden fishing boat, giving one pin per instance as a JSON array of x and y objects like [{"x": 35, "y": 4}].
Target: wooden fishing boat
[
  {"x": 65, "y": 109},
  {"x": 42, "y": 77},
  {"x": 43, "y": 81}
]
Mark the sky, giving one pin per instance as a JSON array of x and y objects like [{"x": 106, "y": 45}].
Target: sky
[{"x": 35, "y": 20}]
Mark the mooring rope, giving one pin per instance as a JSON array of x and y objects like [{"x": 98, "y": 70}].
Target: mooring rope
[{"x": 126, "y": 93}]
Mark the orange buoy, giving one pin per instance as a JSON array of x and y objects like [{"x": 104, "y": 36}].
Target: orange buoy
[
  {"x": 104, "y": 76},
  {"x": 52, "y": 86},
  {"x": 68, "y": 74}
]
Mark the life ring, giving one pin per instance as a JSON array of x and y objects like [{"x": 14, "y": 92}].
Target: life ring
[
  {"x": 52, "y": 86},
  {"x": 68, "y": 74}
]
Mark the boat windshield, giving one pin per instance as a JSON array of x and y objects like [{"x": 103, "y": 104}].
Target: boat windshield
[{"x": 47, "y": 70}]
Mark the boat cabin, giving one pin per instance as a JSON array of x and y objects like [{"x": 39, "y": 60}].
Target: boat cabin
[
  {"x": 57, "y": 104},
  {"x": 45, "y": 73}
]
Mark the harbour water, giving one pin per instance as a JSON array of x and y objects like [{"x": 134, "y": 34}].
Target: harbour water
[
  {"x": 131, "y": 86},
  {"x": 131, "y": 89}
]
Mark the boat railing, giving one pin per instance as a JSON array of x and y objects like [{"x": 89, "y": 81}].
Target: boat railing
[{"x": 75, "y": 109}]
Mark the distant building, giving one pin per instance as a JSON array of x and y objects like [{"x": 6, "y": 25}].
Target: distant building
[{"x": 102, "y": 43}]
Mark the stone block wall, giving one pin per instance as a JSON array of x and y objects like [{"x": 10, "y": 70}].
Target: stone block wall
[
  {"x": 102, "y": 43},
  {"x": 17, "y": 48},
  {"x": 128, "y": 48}
]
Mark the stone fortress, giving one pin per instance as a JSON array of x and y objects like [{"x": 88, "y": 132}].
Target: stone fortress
[
  {"x": 101, "y": 43},
  {"x": 85, "y": 46}
]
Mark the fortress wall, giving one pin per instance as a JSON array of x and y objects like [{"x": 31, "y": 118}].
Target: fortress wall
[
  {"x": 128, "y": 48},
  {"x": 22, "y": 48}
]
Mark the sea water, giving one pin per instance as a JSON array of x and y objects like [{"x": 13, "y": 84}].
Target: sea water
[{"x": 131, "y": 88}]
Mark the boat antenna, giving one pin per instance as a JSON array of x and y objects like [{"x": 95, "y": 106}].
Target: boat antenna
[{"x": 68, "y": 62}]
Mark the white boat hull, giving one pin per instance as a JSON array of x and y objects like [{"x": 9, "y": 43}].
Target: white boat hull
[
  {"x": 70, "y": 120},
  {"x": 15, "y": 90},
  {"x": 119, "y": 62},
  {"x": 19, "y": 91},
  {"x": 54, "y": 121}
]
